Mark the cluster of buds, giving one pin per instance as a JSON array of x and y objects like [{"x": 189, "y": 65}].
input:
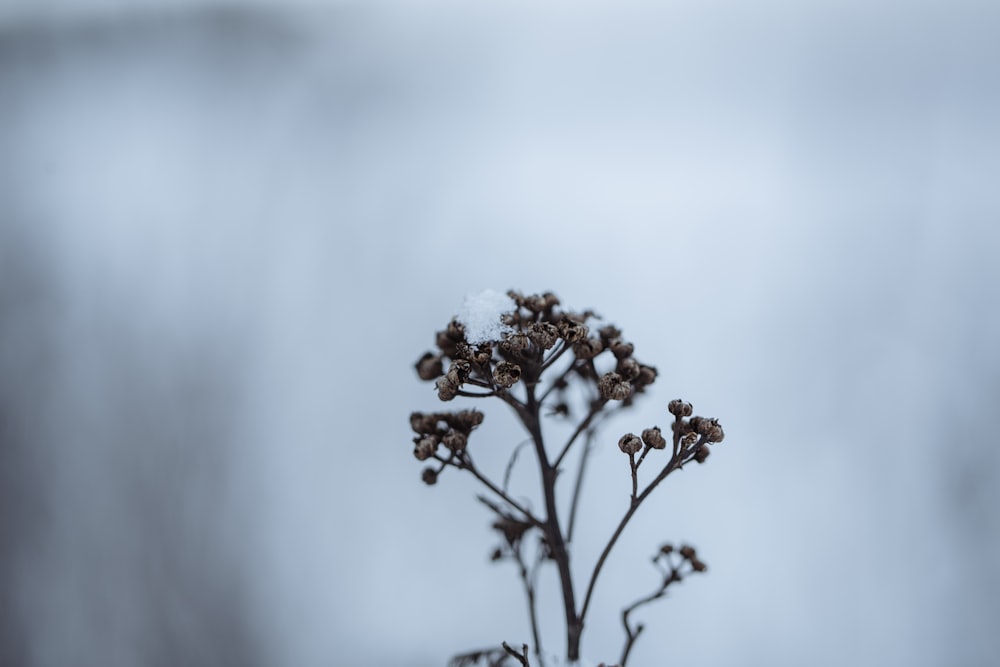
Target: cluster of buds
[
  {"x": 630, "y": 377},
  {"x": 685, "y": 553},
  {"x": 532, "y": 330},
  {"x": 695, "y": 434},
  {"x": 448, "y": 429}
]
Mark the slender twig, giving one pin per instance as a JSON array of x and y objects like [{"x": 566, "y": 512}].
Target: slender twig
[
  {"x": 470, "y": 394},
  {"x": 553, "y": 356},
  {"x": 521, "y": 657},
  {"x": 633, "y": 506},
  {"x": 465, "y": 463},
  {"x": 635, "y": 475},
  {"x": 595, "y": 407},
  {"x": 578, "y": 484},
  {"x": 630, "y": 635},
  {"x": 529, "y": 593},
  {"x": 642, "y": 456},
  {"x": 510, "y": 463}
]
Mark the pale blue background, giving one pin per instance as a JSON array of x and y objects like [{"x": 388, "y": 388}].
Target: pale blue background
[{"x": 227, "y": 231}]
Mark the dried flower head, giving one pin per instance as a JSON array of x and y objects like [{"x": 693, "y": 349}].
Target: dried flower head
[
  {"x": 679, "y": 408},
  {"x": 654, "y": 438},
  {"x": 630, "y": 443},
  {"x": 588, "y": 348},
  {"x": 429, "y": 366},
  {"x": 614, "y": 387},
  {"x": 429, "y": 476},
  {"x": 629, "y": 369},
  {"x": 446, "y": 389},
  {"x": 507, "y": 374},
  {"x": 621, "y": 349},
  {"x": 425, "y": 447},
  {"x": 572, "y": 331}
]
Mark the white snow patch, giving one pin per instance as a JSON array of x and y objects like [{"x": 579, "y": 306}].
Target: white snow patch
[{"x": 482, "y": 316}]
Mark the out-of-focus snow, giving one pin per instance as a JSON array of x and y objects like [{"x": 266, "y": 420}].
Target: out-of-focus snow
[{"x": 482, "y": 316}]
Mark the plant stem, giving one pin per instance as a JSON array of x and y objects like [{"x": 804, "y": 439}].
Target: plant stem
[{"x": 551, "y": 527}]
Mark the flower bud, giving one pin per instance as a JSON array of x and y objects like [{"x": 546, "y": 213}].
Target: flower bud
[
  {"x": 446, "y": 389},
  {"x": 621, "y": 349},
  {"x": 688, "y": 552},
  {"x": 455, "y": 440},
  {"x": 679, "y": 408},
  {"x": 702, "y": 453},
  {"x": 630, "y": 443},
  {"x": 430, "y": 476},
  {"x": 629, "y": 369},
  {"x": 588, "y": 348},
  {"x": 429, "y": 366},
  {"x": 507, "y": 374},
  {"x": 543, "y": 334},
  {"x": 654, "y": 438},
  {"x": 425, "y": 447},
  {"x": 614, "y": 387},
  {"x": 572, "y": 331},
  {"x": 464, "y": 420},
  {"x": 516, "y": 344},
  {"x": 458, "y": 372},
  {"x": 609, "y": 333}
]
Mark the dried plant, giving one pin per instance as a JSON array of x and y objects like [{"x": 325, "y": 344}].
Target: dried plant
[{"x": 537, "y": 358}]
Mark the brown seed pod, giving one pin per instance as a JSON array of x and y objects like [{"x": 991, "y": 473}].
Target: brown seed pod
[
  {"x": 630, "y": 443},
  {"x": 614, "y": 387},
  {"x": 654, "y": 438}
]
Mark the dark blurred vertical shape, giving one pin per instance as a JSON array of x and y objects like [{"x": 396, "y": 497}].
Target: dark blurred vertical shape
[
  {"x": 125, "y": 526},
  {"x": 25, "y": 370}
]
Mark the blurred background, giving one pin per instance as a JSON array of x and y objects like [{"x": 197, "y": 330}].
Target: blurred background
[{"x": 227, "y": 231}]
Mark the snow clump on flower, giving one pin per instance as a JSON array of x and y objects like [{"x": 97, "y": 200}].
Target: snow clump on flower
[{"x": 482, "y": 316}]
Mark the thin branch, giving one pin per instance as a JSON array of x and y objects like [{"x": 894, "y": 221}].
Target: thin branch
[
  {"x": 529, "y": 592},
  {"x": 466, "y": 464},
  {"x": 674, "y": 464},
  {"x": 521, "y": 657},
  {"x": 595, "y": 407},
  {"x": 470, "y": 394},
  {"x": 635, "y": 475},
  {"x": 578, "y": 484},
  {"x": 559, "y": 380},
  {"x": 630, "y": 636},
  {"x": 510, "y": 463},
  {"x": 553, "y": 356}
]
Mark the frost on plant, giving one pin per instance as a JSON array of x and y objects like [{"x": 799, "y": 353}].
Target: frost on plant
[{"x": 548, "y": 364}]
